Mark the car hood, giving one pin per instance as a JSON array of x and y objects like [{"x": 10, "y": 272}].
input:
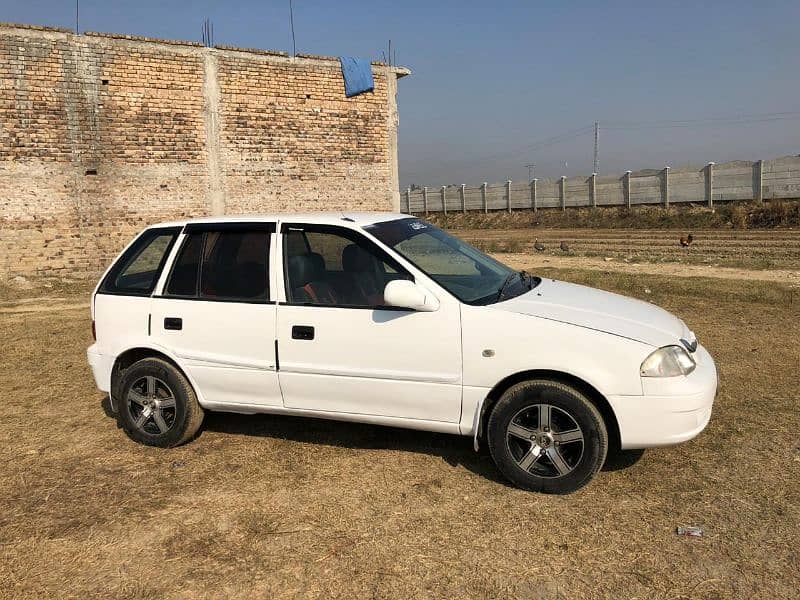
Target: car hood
[{"x": 603, "y": 311}]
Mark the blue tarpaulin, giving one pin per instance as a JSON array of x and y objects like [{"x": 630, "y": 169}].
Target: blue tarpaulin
[{"x": 357, "y": 73}]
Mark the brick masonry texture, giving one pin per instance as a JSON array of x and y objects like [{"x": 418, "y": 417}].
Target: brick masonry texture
[{"x": 101, "y": 135}]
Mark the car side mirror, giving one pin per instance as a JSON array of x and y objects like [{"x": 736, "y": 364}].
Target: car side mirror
[{"x": 407, "y": 294}]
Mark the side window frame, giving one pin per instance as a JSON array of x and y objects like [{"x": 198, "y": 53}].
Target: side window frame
[
  {"x": 347, "y": 233},
  {"x": 192, "y": 229},
  {"x": 186, "y": 238},
  {"x": 131, "y": 253}
]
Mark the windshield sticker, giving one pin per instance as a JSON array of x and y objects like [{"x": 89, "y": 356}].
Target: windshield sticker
[{"x": 416, "y": 225}]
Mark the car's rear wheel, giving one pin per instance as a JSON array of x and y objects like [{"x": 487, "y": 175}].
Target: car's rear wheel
[
  {"x": 546, "y": 436},
  {"x": 158, "y": 406}
]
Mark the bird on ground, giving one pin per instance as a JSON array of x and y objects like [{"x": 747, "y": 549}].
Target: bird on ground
[
  {"x": 686, "y": 241},
  {"x": 564, "y": 247},
  {"x": 538, "y": 246}
]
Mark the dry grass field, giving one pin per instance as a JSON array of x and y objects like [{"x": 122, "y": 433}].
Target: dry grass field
[
  {"x": 274, "y": 506},
  {"x": 773, "y": 214}
]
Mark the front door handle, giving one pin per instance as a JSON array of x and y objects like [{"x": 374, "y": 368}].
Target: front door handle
[
  {"x": 302, "y": 332},
  {"x": 173, "y": 323}
]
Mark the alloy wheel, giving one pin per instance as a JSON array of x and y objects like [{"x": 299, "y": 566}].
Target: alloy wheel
[
  {"x": 545, "y": 440},
  {"x": 152, "y": 405}
]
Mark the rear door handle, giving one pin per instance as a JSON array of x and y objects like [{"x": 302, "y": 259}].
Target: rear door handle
[
  {"x": 302, "y": 332},
  {"x": 173, "y": 323}
]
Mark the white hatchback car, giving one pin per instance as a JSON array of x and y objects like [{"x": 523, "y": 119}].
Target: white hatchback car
[{"x": 383, "y": 318}]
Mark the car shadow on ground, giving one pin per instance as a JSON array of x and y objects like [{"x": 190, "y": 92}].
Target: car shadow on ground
[
  {"x": 455, "y": 450},
  {"x": 618, "y": 460}
]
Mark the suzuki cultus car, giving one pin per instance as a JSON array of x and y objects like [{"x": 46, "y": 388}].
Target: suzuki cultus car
[{"x": 385, "y": 319}]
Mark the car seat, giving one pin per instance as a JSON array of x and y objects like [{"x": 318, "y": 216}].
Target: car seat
[
  {"x": 307, "y": 280},
  {"x": 362, "y": 270}
]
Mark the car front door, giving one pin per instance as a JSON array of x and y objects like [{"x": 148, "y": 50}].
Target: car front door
[
  {"x": 341, "y": 350},
  {"x": 216, "y": 312}
]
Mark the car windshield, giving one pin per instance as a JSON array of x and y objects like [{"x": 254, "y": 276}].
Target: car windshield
[{"x": 467, "y": 273}]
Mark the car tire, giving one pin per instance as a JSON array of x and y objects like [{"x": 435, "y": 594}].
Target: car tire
[
  {"x": 157, "y": 405},
  {"x": 545, "y": 436}
]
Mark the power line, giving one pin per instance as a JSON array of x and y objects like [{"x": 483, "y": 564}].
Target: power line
[
  {"x": 537, "y": 145},
  {"x": 705, "y": 122},
  {"x": 727, "y": 118},
  {"x": 625, "y": 126},
  {"x": 693, "y": 125},
  {"x": 557, "y": 139}
]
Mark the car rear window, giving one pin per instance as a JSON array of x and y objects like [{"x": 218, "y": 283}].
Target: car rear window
[
  {"x": 136, "y": 272},
  {"x": 230, "y": 264},
  {"x": 185, "y": 273}
]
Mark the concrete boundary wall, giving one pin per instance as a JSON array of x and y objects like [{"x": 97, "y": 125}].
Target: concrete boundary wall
[{"x": 732, "y": 181}]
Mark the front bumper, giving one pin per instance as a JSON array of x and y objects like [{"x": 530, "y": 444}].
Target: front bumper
[{"x": 671, "y": 410}]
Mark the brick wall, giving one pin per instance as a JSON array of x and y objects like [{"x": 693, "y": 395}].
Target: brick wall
[{"x": 101, "y": 135}]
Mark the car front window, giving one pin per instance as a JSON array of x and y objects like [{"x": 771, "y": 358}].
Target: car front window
[{"x": 467, "y": 273}]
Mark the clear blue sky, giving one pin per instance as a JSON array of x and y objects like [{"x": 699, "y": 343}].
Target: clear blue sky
[{"x": 491, "y": 80}]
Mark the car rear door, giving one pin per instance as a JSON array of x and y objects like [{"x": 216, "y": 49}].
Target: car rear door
[
  {"x": 216, "y": 312},
  {"x": 342, "y": 350},
  {"x": 121, "y": 308}
]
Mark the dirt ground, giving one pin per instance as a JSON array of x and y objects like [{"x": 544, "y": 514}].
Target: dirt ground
[
  {"x": 534, "y": 263},
  {"x": 274, "y": 506},
  {"x": 775, "y": 249}
]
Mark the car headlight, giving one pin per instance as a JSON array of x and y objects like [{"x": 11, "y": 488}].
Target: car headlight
[{"x": 669, "y": 361}]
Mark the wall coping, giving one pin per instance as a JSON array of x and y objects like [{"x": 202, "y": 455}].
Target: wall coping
[
  {"x": 398, "y": 71},
  {"x": 6, "y": 25}
]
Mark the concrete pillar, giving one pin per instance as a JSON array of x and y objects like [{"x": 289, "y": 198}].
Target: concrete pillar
[
  {"x": 562, "y": 190},
  {"x": 425, "y": 199},
  {"x": 665, "y": 188},
  {"x": 444, "y": 199},
  {"x": 626, "y": 188},
  {"x": 483, "y": 197},
  {"x": 216, "y": 171},
  {"x": 593, "y": 190},
  {"x": 533, "y": 194},
  {"x": 508, "y": 195},
  {"x": 758, "y": 181},
  {"x": 392, "y": 121},
  {"x": 710, "y": 184},
  {"x": 463, "y": 199}
]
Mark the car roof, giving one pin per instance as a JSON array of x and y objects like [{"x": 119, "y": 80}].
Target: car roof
[{"x": 361, "y": 219}]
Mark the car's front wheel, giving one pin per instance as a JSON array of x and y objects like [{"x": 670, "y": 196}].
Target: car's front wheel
[
  {"x": 546, "y": 436},
  {"x": 158, "y": 406}
]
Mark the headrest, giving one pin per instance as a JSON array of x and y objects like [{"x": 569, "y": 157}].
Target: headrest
[
  {"x": 303, "y": 269},
  {"x": 319, "y": 262},
  {"x": 356, "y": 259}
]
